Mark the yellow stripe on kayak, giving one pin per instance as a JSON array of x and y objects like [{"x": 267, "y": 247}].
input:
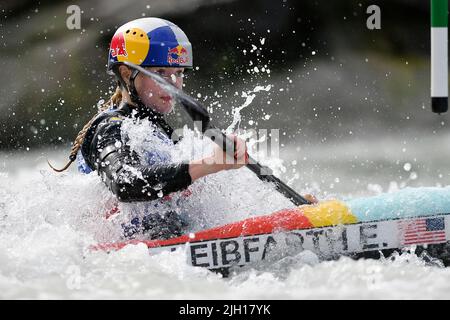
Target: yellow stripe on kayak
[{"x": 328, "y": 213}]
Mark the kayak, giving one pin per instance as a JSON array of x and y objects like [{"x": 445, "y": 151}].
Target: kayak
[{"x": 362, "y": 227}]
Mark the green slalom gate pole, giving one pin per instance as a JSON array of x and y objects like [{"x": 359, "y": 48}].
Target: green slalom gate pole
[{"x": 439, "y": 56}]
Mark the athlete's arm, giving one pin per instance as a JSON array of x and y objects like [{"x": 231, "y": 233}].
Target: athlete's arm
[
  {"x": 219, "y": 160},
  {"x": 122, "y": 172}
]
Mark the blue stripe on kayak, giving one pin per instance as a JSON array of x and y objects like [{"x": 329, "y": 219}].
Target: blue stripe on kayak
[{"x": 409, "y": 202}]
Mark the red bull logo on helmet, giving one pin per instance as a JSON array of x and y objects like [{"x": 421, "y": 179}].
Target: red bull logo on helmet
[
  {"x": 177, "y": 55},
  {"x": 118, "y": 46}
]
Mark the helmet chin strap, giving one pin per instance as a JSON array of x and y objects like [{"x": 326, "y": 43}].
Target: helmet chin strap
[
  {"x": 131, "y": 88},
  {"x": 133, "y": 92}
]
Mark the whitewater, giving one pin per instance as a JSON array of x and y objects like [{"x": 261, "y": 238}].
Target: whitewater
[{"x": 49, "y": 220}]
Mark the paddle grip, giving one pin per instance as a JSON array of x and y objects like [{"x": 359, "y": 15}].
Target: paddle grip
[{"x": 263, "y": 172}]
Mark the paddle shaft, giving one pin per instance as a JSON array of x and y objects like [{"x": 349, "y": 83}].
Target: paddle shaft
[{"x": 264, "y": 173}]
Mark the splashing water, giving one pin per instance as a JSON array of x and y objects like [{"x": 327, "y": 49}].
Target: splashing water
[
  {"x": 48, "y": 221},
  {"x": 249, "y": 97},
  {"x": 216, "y": 199}
]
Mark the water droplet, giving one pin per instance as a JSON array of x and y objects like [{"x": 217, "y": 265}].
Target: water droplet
[{"x": 407, "y": 166}]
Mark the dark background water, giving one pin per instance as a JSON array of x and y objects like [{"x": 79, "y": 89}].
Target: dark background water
[{"x": 332, "y": 77}]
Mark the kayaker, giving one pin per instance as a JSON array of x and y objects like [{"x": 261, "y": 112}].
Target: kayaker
[{"x": 162, "y": 47}]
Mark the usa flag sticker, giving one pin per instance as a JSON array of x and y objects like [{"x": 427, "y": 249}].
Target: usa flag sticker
[{"x": 422, "y": 231}]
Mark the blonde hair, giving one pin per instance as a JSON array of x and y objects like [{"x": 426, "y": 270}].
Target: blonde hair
[{"x": 115, "y": 99}]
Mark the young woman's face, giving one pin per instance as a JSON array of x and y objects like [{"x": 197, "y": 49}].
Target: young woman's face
[{"x": 152, "y": 95}]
